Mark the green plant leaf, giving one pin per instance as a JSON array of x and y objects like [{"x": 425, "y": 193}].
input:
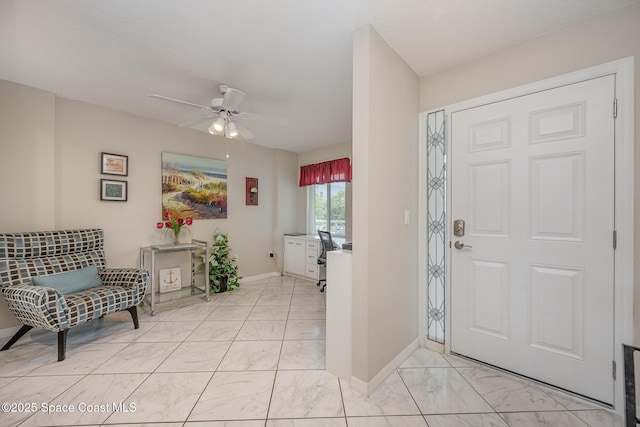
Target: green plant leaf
[{"x": 221, "y": 263}]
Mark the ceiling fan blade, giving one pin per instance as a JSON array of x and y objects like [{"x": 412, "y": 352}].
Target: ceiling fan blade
[
  {"x": 196, "y": 122},
  {"x": 244, "y": 132},
  {"x": 232, "y": 99},
  {"x": 191, "y": 104},
  {"x": 264, "y": 119}
]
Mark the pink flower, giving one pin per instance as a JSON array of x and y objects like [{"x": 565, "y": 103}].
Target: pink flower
[{"x": 174, "y": 224}]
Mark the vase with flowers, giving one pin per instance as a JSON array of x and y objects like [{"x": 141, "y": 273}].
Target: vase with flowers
[{"x": 175, "y": 225}]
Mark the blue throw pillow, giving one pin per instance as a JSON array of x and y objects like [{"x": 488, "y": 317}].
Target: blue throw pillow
[{"x": 73, "y": 281}]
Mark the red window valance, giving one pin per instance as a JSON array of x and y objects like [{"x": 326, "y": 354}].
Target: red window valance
[{"x": 320, "y": 173}]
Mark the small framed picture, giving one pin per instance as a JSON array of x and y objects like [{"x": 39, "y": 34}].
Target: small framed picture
[
  {"x": 114, "y": 164},
  {"x": 113, "y": 190}
]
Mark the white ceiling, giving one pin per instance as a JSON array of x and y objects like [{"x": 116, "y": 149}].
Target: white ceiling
[{"x": 291, "y": 57}]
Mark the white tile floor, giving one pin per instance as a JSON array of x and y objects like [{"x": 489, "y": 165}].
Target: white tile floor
[{"x": 255, "y": 358}]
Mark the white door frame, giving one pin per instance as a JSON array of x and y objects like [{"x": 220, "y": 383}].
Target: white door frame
[{"x": 624, "y": 202}]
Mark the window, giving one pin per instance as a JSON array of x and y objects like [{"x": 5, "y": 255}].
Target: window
[
  {"x": 327, "y": 208},
  {"x": 326, "y": 194}
]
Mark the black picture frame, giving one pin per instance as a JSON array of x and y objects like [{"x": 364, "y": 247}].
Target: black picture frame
[
  {"x": 113, "y": 190},
  {"x": 114, "y": 164}
]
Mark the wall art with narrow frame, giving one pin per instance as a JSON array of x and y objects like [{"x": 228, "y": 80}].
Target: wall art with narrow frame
[
  {"x": 251, "y": 191},
  {"x": 114, "y": 164},
  {"x": 113, "y": 190}
]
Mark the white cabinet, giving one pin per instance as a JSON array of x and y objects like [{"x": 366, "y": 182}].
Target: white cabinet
[
  {"x": 311, "y": 259},
  {"x": 301, "y": 256},
  {"x": 298, "y": 258},
  {"x": 294, "y": 256},
  {"x": 289, "y": 254}
]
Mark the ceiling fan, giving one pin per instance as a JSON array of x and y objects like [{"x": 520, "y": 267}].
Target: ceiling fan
[{"x": 224, "y": 114}]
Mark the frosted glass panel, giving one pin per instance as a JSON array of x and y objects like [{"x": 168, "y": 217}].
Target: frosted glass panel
[{"x": 436, "y": 224}]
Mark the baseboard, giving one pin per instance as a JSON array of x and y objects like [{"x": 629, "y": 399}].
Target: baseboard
[
  {"x": 435, "y": 346},
  {"x": 359, "y": 385},
  {"x": 259, "y": 276},
  {"x": 8, "y": 332},
  {"x": 297, "y": 276},
  {"x": 367, "y": 388}
]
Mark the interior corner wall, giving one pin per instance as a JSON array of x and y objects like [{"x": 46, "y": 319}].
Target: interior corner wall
[
  {"x": 385, "y": 185},
  {"x": 604, "y": 39},
  {"x": 286, "y": 214},
  {"x": 27, "y": 164},
  {"x": 51, "y": 178}
]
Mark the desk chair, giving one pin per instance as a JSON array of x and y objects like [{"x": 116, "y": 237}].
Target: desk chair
[{"x": 327, "y": 245}]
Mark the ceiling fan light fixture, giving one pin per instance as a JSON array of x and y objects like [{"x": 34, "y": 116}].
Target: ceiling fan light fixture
[
  {"x": 231, "y": 131},
  {"x": 222, "y": 112},
  {"x": 217, "y": 125}
]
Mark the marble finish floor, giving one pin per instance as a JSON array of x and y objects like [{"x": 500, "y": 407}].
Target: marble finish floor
[{"x": 255, "y": 358}]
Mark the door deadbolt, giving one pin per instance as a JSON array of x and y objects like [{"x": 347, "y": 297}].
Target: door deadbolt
[
  {"x": 458, "y": 227},
  {"x": 459, "y": 245}
]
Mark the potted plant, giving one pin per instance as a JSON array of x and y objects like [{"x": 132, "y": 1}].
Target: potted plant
[{"x": 223, "y": 271}]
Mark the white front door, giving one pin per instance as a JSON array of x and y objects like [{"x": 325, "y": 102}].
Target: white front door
[{"x": 532, "y": 290}]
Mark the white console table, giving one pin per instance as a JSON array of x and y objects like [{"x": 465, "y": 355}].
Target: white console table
[{"x": 148, "y": 261}]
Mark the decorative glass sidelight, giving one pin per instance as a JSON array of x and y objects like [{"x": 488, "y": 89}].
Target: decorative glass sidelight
[{"x": 436, "y": 224}]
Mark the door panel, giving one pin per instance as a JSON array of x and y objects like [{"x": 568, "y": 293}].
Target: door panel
[
  {"x": 557, "y": 197},
  {"x": 489, "y": 210},
  {"x": 557, "y": 123},
  {"x": 532, "y": 289},
  {"x": 489, "y": 298},
  {"x": 557, "y": 307},
  {"x": 490, "y": 135}
]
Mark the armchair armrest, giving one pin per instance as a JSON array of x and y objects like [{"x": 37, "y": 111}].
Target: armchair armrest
[
  {"x": 37, "y": 306},
  {"x": 132, "y": 278}
]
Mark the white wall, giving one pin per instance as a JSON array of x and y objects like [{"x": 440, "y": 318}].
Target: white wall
[
  {"x": 285, "y": 212},
  {"x": 385, "y": 184},
  {"x": 52, "y": 152},
  {"x": 610, "y": 37},
  {"x": 27, "y": 163},
  {"x": 27, "y": 159}
]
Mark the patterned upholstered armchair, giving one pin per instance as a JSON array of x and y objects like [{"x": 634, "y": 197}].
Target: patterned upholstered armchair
[{"x": 25, "y": 256}]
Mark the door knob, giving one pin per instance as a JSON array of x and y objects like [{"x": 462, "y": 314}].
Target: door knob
[{"x": 459, "y": 245}]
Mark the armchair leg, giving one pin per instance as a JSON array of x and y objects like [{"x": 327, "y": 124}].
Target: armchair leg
[
  {"x": 16, "y": 337},
  {"x": 62, "y": 345},
  {"x": 134, "y": 316}
]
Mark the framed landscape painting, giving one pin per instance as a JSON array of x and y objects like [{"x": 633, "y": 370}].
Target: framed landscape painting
[{"x": 194, "y": 187}]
